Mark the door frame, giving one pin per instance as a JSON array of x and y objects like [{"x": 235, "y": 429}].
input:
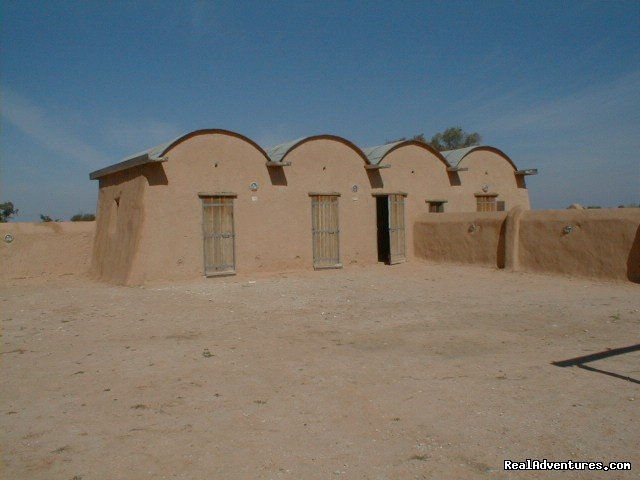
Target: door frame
[
  {"x": 404, "y": 224},
  {"x": 208, "y": 195},
  {"x": 338, "y": 263}
]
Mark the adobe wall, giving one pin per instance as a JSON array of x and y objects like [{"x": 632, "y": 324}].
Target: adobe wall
[
  {"x": 422, "y": 175},
  {"x": 120, "y": 221},
  {"x": 464, "y": 237},
  {"x": 272, "y": 224},
  {"x": 602, "y": 243},
  {"x": 149, "y": 218},
  {"x": 487, "y": 167},
  {"x": 47, "y": 250}
]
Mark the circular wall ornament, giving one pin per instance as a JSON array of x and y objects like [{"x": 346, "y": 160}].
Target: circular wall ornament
[
  {"x": 254, "y": 187},
  {"x": 8, "y": 238},
  {"x": 354, "y": 189},
  {"x": 485, "y": 188}
]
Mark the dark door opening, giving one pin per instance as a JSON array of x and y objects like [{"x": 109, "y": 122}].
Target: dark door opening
[{"x": 382, "y": 212}]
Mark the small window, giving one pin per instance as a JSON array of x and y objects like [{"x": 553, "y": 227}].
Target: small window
[
  {"x": 436, "y": 207},
  {"x": 486, "y": 203},
  {"x": 501, "y": 206}
]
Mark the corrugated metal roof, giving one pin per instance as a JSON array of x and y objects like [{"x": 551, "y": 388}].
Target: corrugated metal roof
[
  {"x": 372, "y": 155},
  {"x": 150, "y": 155},
  {"x": 377, "y": 153},
  {"x": 277, "y": 153},
  {"x": 455, "y": 156},
  {"x": 155, "y": 154}
]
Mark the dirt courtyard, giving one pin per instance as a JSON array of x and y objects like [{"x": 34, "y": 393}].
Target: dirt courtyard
[{"x": 411, "y": 371}]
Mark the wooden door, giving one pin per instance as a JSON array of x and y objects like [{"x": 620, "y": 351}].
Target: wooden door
[
  {"x": 397, "y": 252},
  {"x": 218, "y": 236},
  {"x": 326, "y": 231}
]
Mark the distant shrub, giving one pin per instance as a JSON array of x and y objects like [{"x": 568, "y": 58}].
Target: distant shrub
[
  {"x": 7, "y": 211},
  {"x": 83, "y": 217}
]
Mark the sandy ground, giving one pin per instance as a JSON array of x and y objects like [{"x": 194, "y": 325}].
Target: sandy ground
[{"x": 411, "y": 371}]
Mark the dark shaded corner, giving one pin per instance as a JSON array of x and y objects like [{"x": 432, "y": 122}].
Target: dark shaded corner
[
  {"x": 277, "y": 176},
  {"x": 633, "y": 261},
  {"x": 520, "y": 181},
  {"x": 580, "y": 361},
  {"x": 382, "y": 220},
  {"x": 501, "y": 253},
  {"x": 154, "y": 173},
  {"x": 454, "y": 179},
  {"x": 375, "y": 179}
]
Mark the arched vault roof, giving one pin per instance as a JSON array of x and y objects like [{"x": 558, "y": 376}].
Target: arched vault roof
[
  {"x": 276, "y": 155},
  {"x": 279, "y": 152},
  {"x": 454, "y": 157},
  {"x": 376, "y": 154},
  {"x": 157, "y": 153}
]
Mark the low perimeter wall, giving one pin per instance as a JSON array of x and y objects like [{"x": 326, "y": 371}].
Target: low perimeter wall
[
  {"x": 461, "y": 237},
  {"x": 45, "y": 249},
  {"x": 602, "y": 243}
]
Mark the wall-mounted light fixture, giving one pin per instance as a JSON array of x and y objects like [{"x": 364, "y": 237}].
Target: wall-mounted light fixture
[
  {"x": 473, "y": 228},
  {"x": 567, "y": 229},
  {"x": 8, "y": 238}
]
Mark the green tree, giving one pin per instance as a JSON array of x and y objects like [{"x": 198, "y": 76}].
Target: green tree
[
  {"x": 453, "y": 138},
  {"x": 83, "y": 217},
  {"x": 7, "y": 211},
  {"x": 419, "y": 137},
  {"x": 47, "y": 218}
]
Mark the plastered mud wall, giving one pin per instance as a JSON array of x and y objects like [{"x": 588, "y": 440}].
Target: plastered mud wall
[
  {"x": 46, "y": 250},
  {"x": 120, "y": 222},
  {"x": 461, "y": 237},
  {"x": 602, "y": 243},
  {"x": 149, "y": 217}
]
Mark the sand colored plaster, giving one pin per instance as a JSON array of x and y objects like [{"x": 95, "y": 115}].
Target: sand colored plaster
[
  {"x": 150, "y": 216},
  {"x": 418, "y": 172},
  {"x": 46, "y": 250},
  {"x": 462, "y": 238},
  {"x": 602, "y": 243},
  {"x": 120, "y": 221},
  {"x": 272, "y": 224},
  {"x": 489, "y": 170}
]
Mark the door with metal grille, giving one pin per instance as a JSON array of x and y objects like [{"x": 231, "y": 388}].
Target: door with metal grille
[
  {"x": 326, "y": 231},
  {"x": 218, "y": 235},
  {"x": 397, "y": 252}
]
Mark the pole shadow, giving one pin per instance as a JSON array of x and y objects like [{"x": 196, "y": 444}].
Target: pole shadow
[{"x": 580, "y": 361}]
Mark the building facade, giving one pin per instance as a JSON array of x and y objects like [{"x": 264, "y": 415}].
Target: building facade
[{"x": 213, "y": 202}]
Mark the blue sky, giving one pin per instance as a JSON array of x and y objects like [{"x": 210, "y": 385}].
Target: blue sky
[{"x": 556, "y": 85}]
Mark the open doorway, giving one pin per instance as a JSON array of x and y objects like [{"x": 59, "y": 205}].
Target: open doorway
[
  {"x": 390, "y": 223},
  {"x": 382, "y": 209}
]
